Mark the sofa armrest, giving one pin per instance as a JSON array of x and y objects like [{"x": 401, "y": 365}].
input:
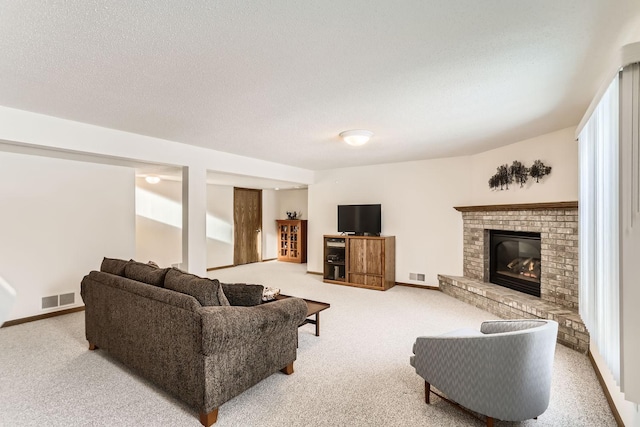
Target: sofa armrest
[{"x": 228, "y": 326}]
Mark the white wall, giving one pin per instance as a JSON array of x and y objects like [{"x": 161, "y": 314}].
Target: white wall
[
  {"x": 275, "y": 204},
  {"x": 558, "y": 150},
  {"x": 37, "y": 130},
  {"x": 159, "y": 222},
  {"x": 219, "y": 226},
  {"x": 220, "y": 214},
  {"x": 270, "y": 213},
  {"x": 295, "y": 200},
  {"x": 417, "y": 201},
  {"x": 58, "y": 219},
  {"x": 418, "y": 198}
]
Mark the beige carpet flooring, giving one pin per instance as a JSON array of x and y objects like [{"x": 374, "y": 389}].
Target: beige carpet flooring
[{"x": 356, "y": 373}]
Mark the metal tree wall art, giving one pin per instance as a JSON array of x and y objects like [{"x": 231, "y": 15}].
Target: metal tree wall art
[
  {"x": 538, "y": 170},
  {"x": 519, "y": 173},
  {"x": 501, "y": 179}
]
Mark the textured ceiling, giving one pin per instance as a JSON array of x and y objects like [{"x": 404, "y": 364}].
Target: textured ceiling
[{"x": 278, "y": 80}]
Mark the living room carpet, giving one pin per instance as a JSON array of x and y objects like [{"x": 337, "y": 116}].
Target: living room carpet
[{"x": 356, "y": 373}]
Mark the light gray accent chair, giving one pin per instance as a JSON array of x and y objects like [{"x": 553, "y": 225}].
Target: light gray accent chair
[{"x": 502, "y": 371}]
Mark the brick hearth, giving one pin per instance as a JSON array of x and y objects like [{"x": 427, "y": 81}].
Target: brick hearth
[{"x": 557, "y": 224}]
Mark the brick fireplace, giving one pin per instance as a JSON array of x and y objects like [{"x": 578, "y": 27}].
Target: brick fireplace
[{"x": 557, "y": 226}]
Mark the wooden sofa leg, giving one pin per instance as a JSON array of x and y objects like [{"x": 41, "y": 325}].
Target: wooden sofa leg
[
  {"x": 427, "y": 393},
  {"x": 288, "y": 369},
  {"x": 92, "y": 346},
  {"x": 489, "y": 421},
  {"x": 209, "y": 418}
]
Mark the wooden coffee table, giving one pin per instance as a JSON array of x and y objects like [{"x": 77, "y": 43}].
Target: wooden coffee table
[{"x": 313, "y": 309}]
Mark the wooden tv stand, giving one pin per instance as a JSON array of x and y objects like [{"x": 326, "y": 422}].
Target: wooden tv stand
[{"x": 362, "y": 261}]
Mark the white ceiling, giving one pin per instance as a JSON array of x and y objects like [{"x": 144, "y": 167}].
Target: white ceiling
[{"x": 278, "y": 80}]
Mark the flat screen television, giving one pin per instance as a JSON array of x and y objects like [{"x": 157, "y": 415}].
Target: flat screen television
[{"x": 360, "y": 219}]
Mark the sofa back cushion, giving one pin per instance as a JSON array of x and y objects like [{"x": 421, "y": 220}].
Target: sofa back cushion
[
  {"x": 133, "y": 288},
  {"x": 113, "y": 266},
  {"x": 208, "y": 292},
  {"x": 242, "y": 294},
  {"x": 145, "y": 273}
]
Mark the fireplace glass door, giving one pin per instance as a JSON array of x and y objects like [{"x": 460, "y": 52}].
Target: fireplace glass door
[{"x": 515, "y": 260}]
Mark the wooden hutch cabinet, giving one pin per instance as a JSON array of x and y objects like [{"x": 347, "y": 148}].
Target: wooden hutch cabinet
[
  {"x": 292, "y": 240},
  {"x": 361, "y": 261}
]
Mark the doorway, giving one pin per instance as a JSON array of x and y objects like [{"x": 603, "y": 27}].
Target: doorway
[{"x": 247, "y": 225}]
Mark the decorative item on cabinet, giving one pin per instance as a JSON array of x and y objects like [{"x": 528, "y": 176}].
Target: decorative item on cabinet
[{"x": 293, "y": 214}]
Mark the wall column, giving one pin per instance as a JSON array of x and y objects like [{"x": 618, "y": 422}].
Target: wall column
[{"x": 194, "y": 220}]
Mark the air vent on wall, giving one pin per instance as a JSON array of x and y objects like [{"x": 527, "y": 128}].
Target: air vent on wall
[
  {"x": 416, "y": 276},
  {"x": 49, "y": 302},
  {"x": 58, "y": 300},
  {"x": 69, "y": 298}
]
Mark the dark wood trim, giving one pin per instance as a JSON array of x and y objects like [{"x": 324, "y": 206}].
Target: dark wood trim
[
  {"x": 412, "y": 285},
  {"x": 231, "y": 265},
  {"x": 42, "y": 316},
  {"x": 614, "y": 410},
  {"x": 519, "y": 207},
  {"x": 220, "y": 268},
  {"x": 319, "y": 273}
]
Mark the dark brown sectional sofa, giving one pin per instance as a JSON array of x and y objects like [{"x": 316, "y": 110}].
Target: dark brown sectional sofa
[{"x": 202, "y": 341}]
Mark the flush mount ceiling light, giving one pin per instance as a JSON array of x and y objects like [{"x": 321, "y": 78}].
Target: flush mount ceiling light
[
  {"x": 356, "y": 137},
  {"x": 152, "y": 179}
]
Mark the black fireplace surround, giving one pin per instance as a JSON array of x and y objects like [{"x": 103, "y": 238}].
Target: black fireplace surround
[{"x": 515, "y": 261}]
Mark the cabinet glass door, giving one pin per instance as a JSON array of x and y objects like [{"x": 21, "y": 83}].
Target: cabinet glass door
[
  {"x": 284, "y": 241},
  {"x": 293, "y": 241}
]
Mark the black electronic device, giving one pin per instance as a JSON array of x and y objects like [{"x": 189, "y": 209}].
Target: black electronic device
[{"x": 360, "y": 219}]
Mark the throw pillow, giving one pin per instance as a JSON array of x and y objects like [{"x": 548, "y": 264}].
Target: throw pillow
[
  {"x": 145, "y": 273},
  {"x": 208, "y": 292},
  {"x": 269, "y": 293},
  {"x": 113, "y": 266},
  {"x": 242, "y": 294}
]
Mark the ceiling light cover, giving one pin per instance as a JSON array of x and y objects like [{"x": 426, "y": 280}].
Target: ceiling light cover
[
  {"x": 152, "y": 179},
  {"x": 356, "y": 137}
]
